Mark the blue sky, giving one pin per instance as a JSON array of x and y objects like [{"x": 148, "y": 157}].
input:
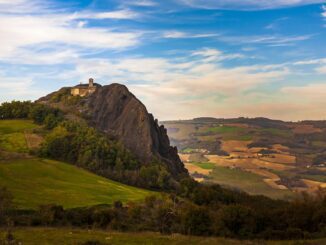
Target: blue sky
[{"x": 182, "y": 58}]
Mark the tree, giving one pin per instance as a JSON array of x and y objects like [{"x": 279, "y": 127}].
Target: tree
[{"x": 6, "y": 203}]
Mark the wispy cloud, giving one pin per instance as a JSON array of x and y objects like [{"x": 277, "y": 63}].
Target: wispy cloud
[
  {"x": 270, "y": 40},
  {"x": 214, "y": 55},
  {"x": 180, "y": 34},
  {"x": 247, "y": 4},
  {"x": 22, "y": 32},
  {"x": 276, "y": 23},
  {"x": 324, "y": 9},
  {"x": 143, "y": 3},
  {"x": 118, "y": 14}
]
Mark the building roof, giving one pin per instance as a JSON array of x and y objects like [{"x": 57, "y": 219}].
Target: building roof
[{"x": 86, "y": 85}]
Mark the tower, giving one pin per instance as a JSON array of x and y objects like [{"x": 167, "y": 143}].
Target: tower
[{"x": 91, "y": 82}]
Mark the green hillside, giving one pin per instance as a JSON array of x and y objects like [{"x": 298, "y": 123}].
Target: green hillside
[
  {"x": 12, "y": 135},
  {"x": 38, "y": 181},
  {"x": 35, "y": 181}
]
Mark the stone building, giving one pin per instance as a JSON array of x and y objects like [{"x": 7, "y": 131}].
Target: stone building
[{"x": 85, "y": 89}]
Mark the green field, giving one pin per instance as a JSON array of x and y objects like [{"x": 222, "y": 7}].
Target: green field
[
  {"x": 67, "y": 236},
  {"x": 37, "y": 181},
  {"x": 204, "y": 165},
  {"x": 34, "y": 181},
  {"x": 12, "y": 135},
  {"x": 248, "y": 182},
  {"x": 224, "y": 129}
]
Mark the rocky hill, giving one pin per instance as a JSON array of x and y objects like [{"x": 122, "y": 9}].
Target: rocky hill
[
  {"x": 116, "y": 111},
  {"x": 113, "y": 109}
]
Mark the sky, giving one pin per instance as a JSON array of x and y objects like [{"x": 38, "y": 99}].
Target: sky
[{"x": 181, "y": 58}]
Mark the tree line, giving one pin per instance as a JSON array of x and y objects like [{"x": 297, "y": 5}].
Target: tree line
[{"x": 170, "y": 213}]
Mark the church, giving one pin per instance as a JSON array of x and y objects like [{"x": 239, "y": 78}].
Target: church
[{"x": 85, "y": 89}]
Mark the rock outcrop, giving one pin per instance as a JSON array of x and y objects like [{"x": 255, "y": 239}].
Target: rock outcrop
[{"x": 117, "y": 112}]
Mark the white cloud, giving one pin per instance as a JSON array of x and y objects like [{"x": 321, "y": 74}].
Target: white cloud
[
  {"x": 17, "y": 87},
  {"x": 311, "y": 62},
  {"x": 143, "y": 3},
  {"x": 270, "y": 40},
  {"x": 247, "y": 4},
  {"x": 324, "y": 9},
  {"x": 22, "y": 6},
  {"x": 213, "y": 55},
  {"x": 118, "y": 14},
  {"x": 179, "y": 34},
  {"x": 23, "y": 31},
  {"x": 188, "y": 89}
]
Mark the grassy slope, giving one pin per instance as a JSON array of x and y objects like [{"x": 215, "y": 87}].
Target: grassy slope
[
  {"x": 12, "y": 137},
  {"x": 67, "y": 236},
  {"x": 248, "y": 182},
  {"x": 38, "y": 181}
]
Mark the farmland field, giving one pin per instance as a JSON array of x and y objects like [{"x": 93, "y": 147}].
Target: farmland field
[
  {"x": 259, "y": 156},
  {"x": 248, "y": 182}
]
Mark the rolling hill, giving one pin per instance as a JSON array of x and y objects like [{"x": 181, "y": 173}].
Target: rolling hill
[
  {"x": 259, "y": 156},
  {"x": 36, "y": 181}
]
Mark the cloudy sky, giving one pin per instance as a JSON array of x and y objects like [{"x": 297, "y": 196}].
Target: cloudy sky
[{"x": 182, "y": 58}]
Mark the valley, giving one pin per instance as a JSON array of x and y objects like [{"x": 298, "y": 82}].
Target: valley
[{"x": 259, "y": 156}]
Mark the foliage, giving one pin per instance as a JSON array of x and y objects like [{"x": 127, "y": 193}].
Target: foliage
[
  {"x": 39, "y": 113},
  {"x": 15, "y": 109},
  {"x": 6, "y": 203},
  {"x": 81, "y": 145},
  {"x": 248, "y": 218}
]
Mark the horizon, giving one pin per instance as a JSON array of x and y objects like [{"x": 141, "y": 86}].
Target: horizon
[{"x": 182, "y": 58}]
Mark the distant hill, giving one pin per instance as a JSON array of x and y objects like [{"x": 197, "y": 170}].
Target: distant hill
[{"x": 257, "y": 155}]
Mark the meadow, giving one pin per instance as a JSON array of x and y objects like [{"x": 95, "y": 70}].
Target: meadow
[
  {"x": 12, "y": 135},
  {"x": 39, "y": 181},
  {"x": 65, "y": 236}
]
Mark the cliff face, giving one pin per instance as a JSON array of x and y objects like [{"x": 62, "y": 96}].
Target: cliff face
[{"x": 116, "y": 111}]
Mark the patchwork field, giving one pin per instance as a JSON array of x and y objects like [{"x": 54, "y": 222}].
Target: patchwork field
[{"x": 259, "y": 156}]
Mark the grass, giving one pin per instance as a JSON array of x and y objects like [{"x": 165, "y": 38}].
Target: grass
[
  {"x": 204, "y": 165},
  {"x": 224, "y": 129},
  {"x": 297, "y": 174},
  {"x": 37, "y": 181},
  {"x": 248, "y": 182},
  {"x": 65, "y": 236},
  {"x": 12, "y": 135},
  {"x": 188, "y": 150},
  {"x": 277, "y": 132}
]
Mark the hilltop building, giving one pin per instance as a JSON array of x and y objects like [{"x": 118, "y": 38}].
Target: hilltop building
[{"x": 85, "y": 89}]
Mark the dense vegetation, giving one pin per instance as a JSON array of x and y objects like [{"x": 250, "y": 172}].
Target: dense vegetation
[
  {"x": 39, "y": 113},
  {"x": 81, "y": 145},
  {"x": 209, "y": 211},
  {"x": 190, "y": 208}
]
